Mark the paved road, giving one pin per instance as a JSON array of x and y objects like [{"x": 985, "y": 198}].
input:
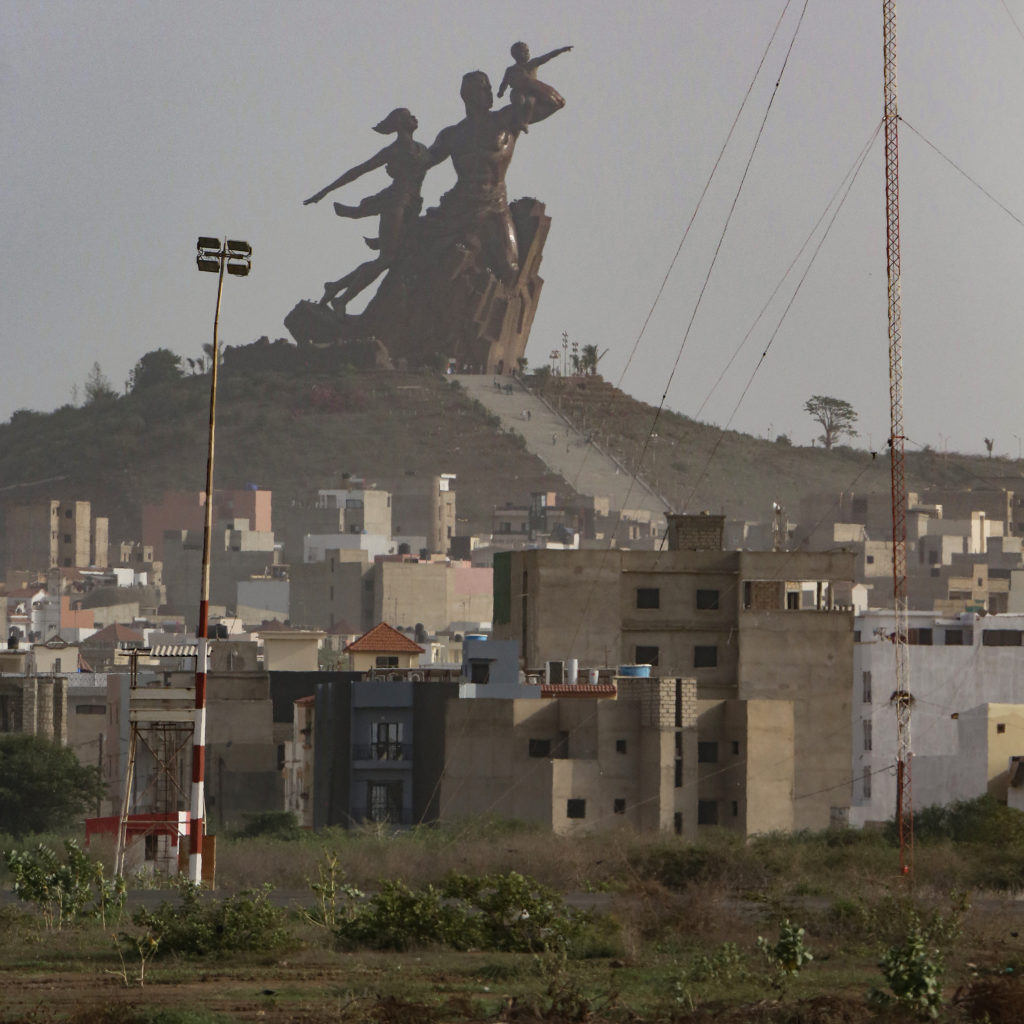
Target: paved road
[{"x": 562, "y": 448}]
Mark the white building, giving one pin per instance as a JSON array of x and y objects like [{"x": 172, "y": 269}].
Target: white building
[{"x": 956, "y": 665}]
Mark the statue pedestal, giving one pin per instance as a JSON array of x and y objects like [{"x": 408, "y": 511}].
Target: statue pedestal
[{"x": 438, "y": 304}]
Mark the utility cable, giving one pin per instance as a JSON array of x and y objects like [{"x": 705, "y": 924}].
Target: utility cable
[
  {"x": 782, "y": 318},
  {"x": 981, "y": 188},
  {"x": 854, "y": 170}
]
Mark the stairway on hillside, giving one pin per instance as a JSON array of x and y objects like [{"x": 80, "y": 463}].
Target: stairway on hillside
[{"x": 564, "y": 450}]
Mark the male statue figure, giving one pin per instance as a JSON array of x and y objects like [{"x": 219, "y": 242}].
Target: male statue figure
[{"x": 474, "y": 214}]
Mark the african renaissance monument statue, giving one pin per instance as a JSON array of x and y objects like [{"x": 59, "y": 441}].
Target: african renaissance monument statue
[{"x": 459, "y": 283}]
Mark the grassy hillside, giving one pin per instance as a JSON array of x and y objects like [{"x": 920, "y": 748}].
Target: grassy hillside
[
  {"x": 698, "y": 466},
  {"x": 292, "y": 430},
  {"x": 294, "y": 421}
]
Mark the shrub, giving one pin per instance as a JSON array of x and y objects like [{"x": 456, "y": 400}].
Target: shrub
[
  {"x": 399, "y": 918},
  {"x": 271, "y": 825},
  {"x": 245, "y": 922},
  {"x": 789, "y": 954},
  {"x": 64, "y": 891},
  {"x": 983, "y": 821},
  {"x": 913, "y": 972},
  {"x": 723, "y": 964},
  {"x": 506, "y": 912}
]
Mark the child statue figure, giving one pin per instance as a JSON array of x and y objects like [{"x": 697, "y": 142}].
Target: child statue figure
[{"x": 521, "y": 78}]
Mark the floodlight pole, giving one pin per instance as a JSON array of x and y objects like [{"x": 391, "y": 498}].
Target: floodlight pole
[{"x": 210, "y": 258}]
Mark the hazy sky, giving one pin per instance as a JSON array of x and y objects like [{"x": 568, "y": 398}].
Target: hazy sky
[{"x": 130, "y": 128}]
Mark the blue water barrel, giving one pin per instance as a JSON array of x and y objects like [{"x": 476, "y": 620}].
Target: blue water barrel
[{"x": 639, "y": 671}]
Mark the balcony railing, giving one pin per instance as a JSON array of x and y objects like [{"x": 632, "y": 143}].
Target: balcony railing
[{"x": 383, "y": 751}]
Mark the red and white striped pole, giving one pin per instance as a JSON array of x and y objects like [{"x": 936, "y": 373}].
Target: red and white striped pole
[{"x": 212, "y": 257}]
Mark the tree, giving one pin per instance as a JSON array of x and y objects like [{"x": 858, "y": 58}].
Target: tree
[
  {"x": 43, "y": 786},
  {"x": 161, "y": 366},
  {"x": 97, "y": 386},
  {"x": 835, "y": 416},
  {"x": 589, "y": 359}
]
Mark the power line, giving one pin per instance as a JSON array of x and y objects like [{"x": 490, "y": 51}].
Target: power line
[
  {"x": 785, "y": 312},
  {"x": 952, "y": 163}
]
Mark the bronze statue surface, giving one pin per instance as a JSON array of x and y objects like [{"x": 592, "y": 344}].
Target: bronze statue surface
[{"x": 460, "y": 282}]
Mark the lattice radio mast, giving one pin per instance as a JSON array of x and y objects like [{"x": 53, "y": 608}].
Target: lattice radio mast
[{"x": 901, "y": 698}]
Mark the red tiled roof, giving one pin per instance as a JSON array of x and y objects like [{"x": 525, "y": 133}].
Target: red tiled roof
[
  {"x": 115, "y": 634},
  {"x": 383, "y": 638}
]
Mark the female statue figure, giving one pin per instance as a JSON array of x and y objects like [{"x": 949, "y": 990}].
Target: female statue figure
[{"x": 406, "y": 161}]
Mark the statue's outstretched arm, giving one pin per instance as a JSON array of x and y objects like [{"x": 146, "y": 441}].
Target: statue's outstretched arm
[
  {"x": 375, "y": 161},
  {"x": 545, "y": 57}
]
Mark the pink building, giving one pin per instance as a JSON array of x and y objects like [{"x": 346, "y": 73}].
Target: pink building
[{"x": 184, "y": 510}]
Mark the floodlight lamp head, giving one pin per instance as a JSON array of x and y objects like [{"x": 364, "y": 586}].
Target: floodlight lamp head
[
  {"x": 237, "y": 248},
  {"x": 207, "y": 263},
  {"x": 238, "y": 268},
  {"x": 205, "y": 242}
]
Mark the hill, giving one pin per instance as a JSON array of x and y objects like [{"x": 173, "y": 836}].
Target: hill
[
  {"x": 698, "y": 466},
  {"x": 296, "y": 420}
]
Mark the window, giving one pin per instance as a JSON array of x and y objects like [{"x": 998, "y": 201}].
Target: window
[
  {"x": 90, "y": 709},
  {"x": 677, "y": 823},
  {"x": 1001, "y": 638},
  {"x": 386, "y": 738},
  {"x": 679, "y": 774},
  {"x": 620, "y": 746},
  {"x": 705, "y": 656},
  {"x": 866, "y": 680},
  {"x": 648, "y": 597},
  {"x": 619, "y": 806},
  {"x": 67, "y": 514},
  {"x": 540, "y": 748},
  {"x": 954, "y": 638},
  {"x": 866, "y": 724},
  {"x": 870, "y": 559},
  {"x": 1001, "y": 728},
  {"x": 793, "y": 601},
  {"x": 707, "y": 812},
  {"x": 919, "y": 636},
  {"x": 735, "y": 808},
  {"x": 384, "y": 801},
  {"x": 480, "y": 672},
  {"x": 56, "y": 664},
  {"x": 866, "y": 784},
  {"x": 575, "y": 808},
  {"x": 707, "y": 600},
  {"x": 707, "y": 753},
  {"x": 856, "y": 636},
  {"x": 735, "y": 748},
  {"x": 67, "y": 538},
  {"x": 646, "y": 655},
  {"x": 387, "y": 661}
]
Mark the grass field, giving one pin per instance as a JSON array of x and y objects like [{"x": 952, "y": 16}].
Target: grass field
[{"x": 661, "y": 931}]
